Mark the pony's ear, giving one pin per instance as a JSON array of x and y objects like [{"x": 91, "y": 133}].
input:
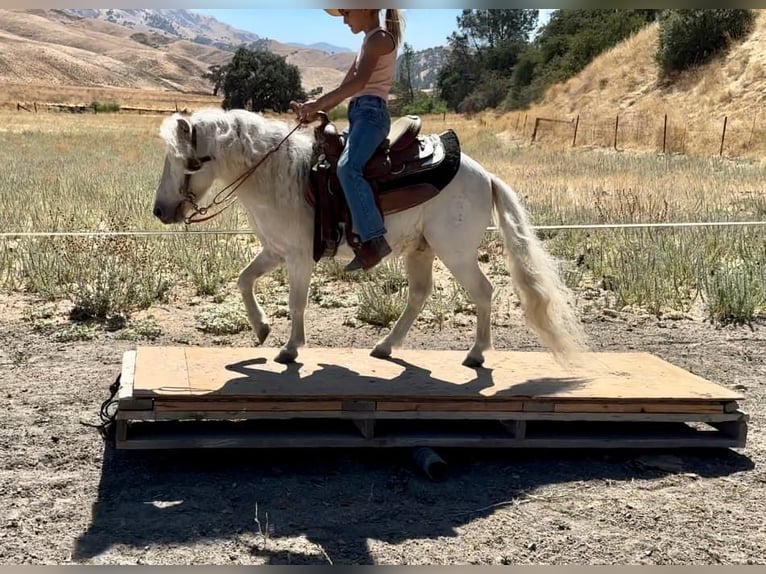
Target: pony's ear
[{"x": 184, "y": 129}]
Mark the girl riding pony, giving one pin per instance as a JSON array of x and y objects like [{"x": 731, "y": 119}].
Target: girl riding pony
[{"x": 368, "y": 83}]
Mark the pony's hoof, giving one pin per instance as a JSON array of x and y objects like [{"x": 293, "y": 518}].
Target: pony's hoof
[
  {"x": 262, "y": 332},
  {"x": 380, "y": 352},
  {"x": 473, "y": 362},
  {"x": 286, "y": 357}
]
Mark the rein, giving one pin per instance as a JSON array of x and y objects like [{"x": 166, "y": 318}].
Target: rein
[{"x": 196, "y": 163}]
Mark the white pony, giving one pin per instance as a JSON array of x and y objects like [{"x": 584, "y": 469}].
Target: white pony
[{"x": 218, "y": 146}]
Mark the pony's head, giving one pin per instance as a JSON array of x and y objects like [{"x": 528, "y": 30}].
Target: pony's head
[{"x": 187, "y": 174}]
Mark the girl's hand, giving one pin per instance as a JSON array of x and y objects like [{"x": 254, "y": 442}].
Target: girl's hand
[{"x": 306, "y": 111}]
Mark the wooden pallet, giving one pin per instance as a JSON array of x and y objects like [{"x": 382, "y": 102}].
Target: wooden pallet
[{"x": 197, "y": 397}]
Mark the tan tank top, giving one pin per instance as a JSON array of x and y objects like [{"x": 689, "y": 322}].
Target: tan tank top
[{"x": 382, "y": 76}]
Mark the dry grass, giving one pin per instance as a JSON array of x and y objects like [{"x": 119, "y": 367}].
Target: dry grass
[
  {"x": 86, "y": 172},
  {"x": 624, "y": 82},
  {"x": 29, "y": 94}
]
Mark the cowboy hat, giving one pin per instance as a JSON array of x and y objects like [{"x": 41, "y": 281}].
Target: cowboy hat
[{"x": 332, "y": 11}]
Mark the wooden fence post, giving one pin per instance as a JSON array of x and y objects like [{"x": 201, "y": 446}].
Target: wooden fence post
[
  {"x": 723, "y": 135},
  {"x": 534, "y": 132},
  {"x": 752, "y": 129},
  {"x": 524, "y": 127},
  {"x": 665, "y": 133},
  {"x": 574, "y": 137},
  {"x": 616, "y": 126}
]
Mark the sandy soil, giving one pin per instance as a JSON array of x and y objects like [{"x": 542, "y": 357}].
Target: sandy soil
[{"x": 69, "y": 497}]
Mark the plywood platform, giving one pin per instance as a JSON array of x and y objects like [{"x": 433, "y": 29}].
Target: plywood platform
[{"x": 344, "y": 397}]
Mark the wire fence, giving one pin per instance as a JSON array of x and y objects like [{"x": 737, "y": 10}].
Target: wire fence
[
  {"x": 562, "y": 227},
  {"x": 732, "y": 135}
]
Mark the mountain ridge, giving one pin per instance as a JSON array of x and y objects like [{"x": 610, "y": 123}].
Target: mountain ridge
[{"x": 168, "y": 49}]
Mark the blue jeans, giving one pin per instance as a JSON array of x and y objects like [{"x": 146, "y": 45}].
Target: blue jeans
[{"x": 369, "y": 124}]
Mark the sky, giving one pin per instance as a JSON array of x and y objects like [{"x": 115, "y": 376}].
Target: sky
[{"x": 424, "y": 28}]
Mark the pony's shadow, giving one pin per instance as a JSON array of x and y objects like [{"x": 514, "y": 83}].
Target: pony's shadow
[
  {"x": 337, "y": 499},
  {"x": 411, "y": 380},
  {"x": 331, "y": 378}
]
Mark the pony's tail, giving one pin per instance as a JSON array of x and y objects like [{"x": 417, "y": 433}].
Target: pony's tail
[{"x": 545, "y": 299}]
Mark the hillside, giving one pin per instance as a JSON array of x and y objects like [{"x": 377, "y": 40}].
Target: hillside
[
  {"x": 36, "y": 48},
  {"x": 625, "y": 80},
  {"x": 73, "y": 49}
]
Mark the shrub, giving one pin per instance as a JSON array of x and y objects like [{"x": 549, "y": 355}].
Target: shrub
[
  {"x": 104, "y": 107},
  {"x": 102, "y": 276},
  {"x": 688, "y": 38},
  {"x": 338, "y": 113},
  {"x": 423, "y": 105},
  {"x": 222, "y": 320},
  {"x": 490, "y": 93}
]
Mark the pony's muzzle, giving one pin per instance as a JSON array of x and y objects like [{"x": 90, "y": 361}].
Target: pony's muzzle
[{"x": 166, "y": 215}]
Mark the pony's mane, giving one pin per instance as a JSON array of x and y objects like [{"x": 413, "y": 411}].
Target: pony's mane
[{"x": 255, "y": 132}]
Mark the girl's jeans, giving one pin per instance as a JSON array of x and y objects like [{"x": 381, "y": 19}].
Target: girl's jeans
[{"x": 369, "y": 124}]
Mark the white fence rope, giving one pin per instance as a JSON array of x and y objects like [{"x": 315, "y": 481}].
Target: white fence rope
[{"x": 23, "y": 234}]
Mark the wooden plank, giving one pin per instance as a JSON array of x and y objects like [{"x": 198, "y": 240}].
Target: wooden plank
[
  {"x": 151, "y": 415},
  {"x": 450, "y": 406},
  {"x": 161, "y": 371},
  {"x": 121, "y": 432},
  {"x": 582, "y": 407},
  {"x": 737, "y": 430},
  {"x": 731, "y": 407},
  {"x": 127, "y": 375},
  {"x": 125, "y": 398},
  {"x": 245, "y": 405},
  {"x": 352, "y": 373},
  {"x": 366, "y": 427},
  {"x": 235, "y": 441},
  {"x": 458, "y": 440},
  {"x": 538, "y": 406},
  {"x": 130, "y": 404},
  {"x": 517, "y": 428},
  {"x": 359, "y": 406}
]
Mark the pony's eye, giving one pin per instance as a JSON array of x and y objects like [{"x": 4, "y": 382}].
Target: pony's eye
[{"x": 193, "y": 164}]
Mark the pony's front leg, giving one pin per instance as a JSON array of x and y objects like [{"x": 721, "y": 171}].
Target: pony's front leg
[
  {"x": 419, "y": 266},
  {"x": 264, "y": 262},
  {"x": 299, "y": 277}
]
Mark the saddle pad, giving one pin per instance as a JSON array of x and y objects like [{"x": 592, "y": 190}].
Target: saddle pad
[{"x": 439, "y": 176}]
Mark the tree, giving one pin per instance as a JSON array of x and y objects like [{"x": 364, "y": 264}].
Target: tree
[
  {"x": 493, "y": 27},
  {"x": 457, "y": 77},
  {"x": 258, "y": 80},
  {"x": 482, "y": 56},
  {"x": 404, "y": 81},
  {"x": 215, "y": 75}
]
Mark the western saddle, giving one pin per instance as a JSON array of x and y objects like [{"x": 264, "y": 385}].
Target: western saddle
[{"x": 404, "y": 153}]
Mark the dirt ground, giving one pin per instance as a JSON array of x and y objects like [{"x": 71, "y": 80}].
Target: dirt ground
[{"x": 69, "y": 497}]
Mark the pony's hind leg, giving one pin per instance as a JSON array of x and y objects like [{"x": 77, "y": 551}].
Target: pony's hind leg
[
  {"x": 264, "y": 262},
  {"x": 419, "y": 266},
  {"x": 467, "y": 272}
]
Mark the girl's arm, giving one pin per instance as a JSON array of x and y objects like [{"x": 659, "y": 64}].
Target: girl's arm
[{"x": 357, "y": 77}]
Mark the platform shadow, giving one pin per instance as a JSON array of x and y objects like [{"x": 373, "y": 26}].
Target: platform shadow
[{"x": 336, "y": 499}]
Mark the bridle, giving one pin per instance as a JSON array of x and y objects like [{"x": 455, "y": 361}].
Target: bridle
[{"x": 225, "y": 196}]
